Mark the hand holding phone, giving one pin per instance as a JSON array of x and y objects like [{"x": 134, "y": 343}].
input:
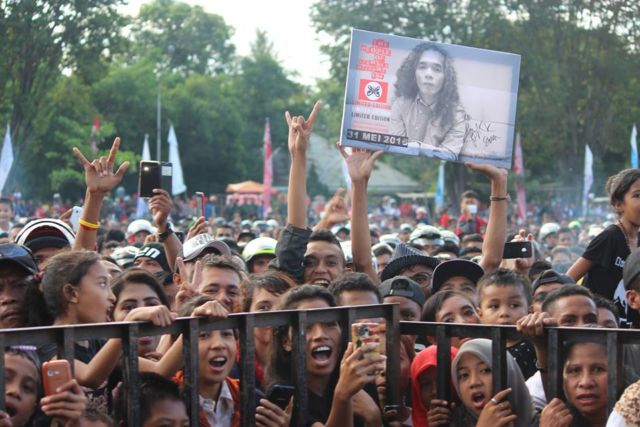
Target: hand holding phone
[
  {"x": 202, "y": 201},
  {"x": 514, "y": 250},
  {"x": 55, "y": 373},
  {"x": 280, "y": 394},
  {"x": 152, "y": 175}
]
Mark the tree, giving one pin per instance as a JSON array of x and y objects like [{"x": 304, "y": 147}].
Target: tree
[{"x": 182, "y": 38}]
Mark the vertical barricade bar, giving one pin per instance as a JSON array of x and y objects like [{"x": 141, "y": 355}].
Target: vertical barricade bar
[
  {"x": 393, "y": 344},
  {"x": 443, "y": 373},
  {"x": 66, "y": 348},
  {"x": 614, "y": 362},
  {"x": 554, "y": 376},
  {"x": 299, "y": 365},
  {"x": 190, "y": 333},
  {"x": 131, "y": 373},
  {"x": 2, "y": 379},
  {"x": 347, "y": 318},
  {"x": 248, "y": 379},
  {"x": 498, "y": 359}
]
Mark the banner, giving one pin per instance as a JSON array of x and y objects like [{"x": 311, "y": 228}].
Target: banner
[
  {"x": 177, "y": 181},
  {"x": 6, "y": 158},
  {"x": 588, "y": 178},
  {"x": 267, "y": 170},
  {"x": 416, "y": 97},
  {"x": 634, "y": 147}
]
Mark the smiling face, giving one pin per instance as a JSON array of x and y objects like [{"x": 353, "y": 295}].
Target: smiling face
[
  {"x": 585, "y": 379},
  {"x": 21, "y": 388},
  {"x": 502, "y": 305},
  {"x": 222, "y": 285},
  {"x": 134, "y": 295},
  {"x": 216, "y": 355},
  {"x": 474, "y": 381},
  {"x": 323, "y": 263},
  {"x": 94, "y": 299},
  {"x": 430, "y": 74}
]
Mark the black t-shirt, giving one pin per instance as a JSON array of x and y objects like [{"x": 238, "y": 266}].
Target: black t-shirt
[
  {"x": 608, "y": 252},
  {"x": 525, "y": 355},
  {"x": 319, "y": 407}
]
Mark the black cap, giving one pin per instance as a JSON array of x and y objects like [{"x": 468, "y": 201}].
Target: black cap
[
  {"x": 456, "y": 267},
  {"x": 155, "y": 251},
  {"x": 551, "y": 276},
  {"x": 402, "y": 286},
  {"x": 11, "y": 253},
  {"x": 406, "y": 256}
]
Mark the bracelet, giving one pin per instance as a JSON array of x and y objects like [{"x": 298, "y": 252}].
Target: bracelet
[
  {"x": 541, "y": 369},
  {"x": 165, "y": 234},
  {"x": 499, "y": 198},
  {"x": 89, "y": 225}
]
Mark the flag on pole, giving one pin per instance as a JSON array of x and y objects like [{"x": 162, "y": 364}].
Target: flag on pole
[
  {"x": 142, "y": 207},
  {"x": 518, "y": 169},
  {"x": 6, "y": 158},
  {"x": 177, "y": 181},
  {"x": 440, "y": 187},
  {"x": 267, "y": 170},
  {"x": 588, "y": 178},
  {"x": 94, "y": 134},
  {"x": 634, "y": 147}
]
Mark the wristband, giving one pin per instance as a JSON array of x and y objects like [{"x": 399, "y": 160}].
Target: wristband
[
  {"x": 541, "y": 369},
  {"x": 499, "y": 198},
  {"x": 164, "y": 235},
  {"x": 88, "y": 225}
]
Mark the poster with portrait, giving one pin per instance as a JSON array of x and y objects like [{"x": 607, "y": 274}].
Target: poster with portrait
[{"x": 423, "y": 98}]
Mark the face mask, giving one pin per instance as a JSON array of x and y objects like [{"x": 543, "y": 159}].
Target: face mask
[{"x": 472, "y": 209}]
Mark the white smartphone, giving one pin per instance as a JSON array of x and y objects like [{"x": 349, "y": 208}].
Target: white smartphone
[{"x": 76, "y": 213}]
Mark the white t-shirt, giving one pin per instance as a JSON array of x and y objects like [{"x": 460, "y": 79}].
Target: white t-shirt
[
  {"x": 616, "y": 420},
  {"x": 536, "y": 390}
]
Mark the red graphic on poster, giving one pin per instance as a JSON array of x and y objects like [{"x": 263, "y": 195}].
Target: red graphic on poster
[
  {"x": 372, "y": 90},
  {"x": 378, "y": 66}
]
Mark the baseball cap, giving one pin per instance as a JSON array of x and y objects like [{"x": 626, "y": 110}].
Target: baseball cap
[
  {"x": 46, "y": 233},
  {"x": 453, "y": 268},
  {"x": 551, "y": 276},
  {"x": 20, "y": 256},
  {"x": 402, "y": 286},
  {"x": 259, "y": 246},
  {"x": 193, "y": 247},
  {"x": 426, "y": 235},
  {"x": 124, "y": 256},
  {"x": 631, "y": 269},
  {"x": 140, "y": 225},
  {"x": 155, "y": 251}
]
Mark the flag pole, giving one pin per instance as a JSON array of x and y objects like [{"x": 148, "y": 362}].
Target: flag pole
[{"x": 158, "y": 120}]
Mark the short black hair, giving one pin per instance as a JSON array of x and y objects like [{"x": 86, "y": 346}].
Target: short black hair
[
  {"x": 470, "y": 194},
  {"x": 435, "y": 302},
  {"x": 537, "y": 268},
  {"x": 352, "y": 281},
  {"x": 324, "y": 235},
  {"x": 4, "y": 200},
  {"x": 447, "y": 248},
  {"x": 563, "y": 292},
  {"x": 272, "y": 281},
  {"x": 382, "y": 249},
  {"x": 504, "y": 277},
  {"x": 602, "y": 302},
  {"x": 153, "y": 388}
]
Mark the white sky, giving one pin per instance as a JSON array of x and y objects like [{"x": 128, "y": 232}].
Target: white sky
[{"x": 287, "y": 23}]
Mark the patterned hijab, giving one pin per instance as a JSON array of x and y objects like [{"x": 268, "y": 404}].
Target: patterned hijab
[{"x": 629, "y": 405}]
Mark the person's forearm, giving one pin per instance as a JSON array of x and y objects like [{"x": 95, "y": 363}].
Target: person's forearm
[
  {"x": 494, "y": 239},
  {"x": 172, "y": 248},
  {"x": 341, "y": 414},
  {"x": 360, "y": 234},
  {"x": 85, "y": 237},
  {"x": 297, "y": 194},
  {"x": 94, "y": 373},
  {"x": 169, "y": 364}
]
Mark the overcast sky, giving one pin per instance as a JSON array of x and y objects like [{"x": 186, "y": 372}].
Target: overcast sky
[{"x": 286, "y": 22}]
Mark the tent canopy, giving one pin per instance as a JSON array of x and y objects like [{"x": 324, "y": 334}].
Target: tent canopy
[{"x": 247, "y": 187}]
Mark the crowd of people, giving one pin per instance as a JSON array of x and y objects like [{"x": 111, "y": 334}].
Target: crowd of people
[{"x": 451, "y": 270}]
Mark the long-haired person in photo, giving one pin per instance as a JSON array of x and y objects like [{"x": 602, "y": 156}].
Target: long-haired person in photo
[{"x": 427, "y": 108}]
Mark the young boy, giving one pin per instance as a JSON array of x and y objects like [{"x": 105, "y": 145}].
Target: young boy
[
  {"x": 6, "y": 215},
  {"x": 505, "y": 297}
]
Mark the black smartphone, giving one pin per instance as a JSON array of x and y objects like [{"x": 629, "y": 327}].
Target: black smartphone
[
  {"x": 280, "y": 394},
  {"x": 202, "y": 201},
  {"x": 517, "y": 250},
  {"x": 151, "y": 175}
]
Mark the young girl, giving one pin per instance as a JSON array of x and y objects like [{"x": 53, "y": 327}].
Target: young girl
[
  {"x": 450, "y": 306},
  {"x": 332, "y": 383},
  {"x": 603, "y": 261},
  {"x": 137, "y": 288},
  {"x": 23, "y": 391},
  {"x": 585, "y": 389},
  {"x": 472, "y": 377},
  {"x": 427, "y": 411}
]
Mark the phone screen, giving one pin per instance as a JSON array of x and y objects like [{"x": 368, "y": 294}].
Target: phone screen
[{"x": 148, "y": 178}]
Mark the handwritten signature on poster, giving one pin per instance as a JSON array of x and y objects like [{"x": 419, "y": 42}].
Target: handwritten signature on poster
[{"x": 481, "y": 133}]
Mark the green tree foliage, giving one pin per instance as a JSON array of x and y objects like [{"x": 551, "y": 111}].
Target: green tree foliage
[
  {"x": 577, "y": 80},
  {"x": 182, "y": 38}
]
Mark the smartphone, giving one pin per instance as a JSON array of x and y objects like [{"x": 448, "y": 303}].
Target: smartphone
[
  {"x": 201, "y": 203},
  {"x": 151, "y": 175},
  {"x": 365, "y": 333},
  {"x": 517, "y": 250},
  {"x": 280, "y": 394},
  {"x": 55, "y": 373},
  {"x": 74, "y": 219}
]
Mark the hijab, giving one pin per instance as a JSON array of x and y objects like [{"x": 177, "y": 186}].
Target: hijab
[
  {"x": 519, "y": 397},
  {"x": 423, "y": 361},
  {"x": 629, "y": 404}
]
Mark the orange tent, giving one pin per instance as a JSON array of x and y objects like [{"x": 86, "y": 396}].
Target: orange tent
[{"x": 247, "y": 187}]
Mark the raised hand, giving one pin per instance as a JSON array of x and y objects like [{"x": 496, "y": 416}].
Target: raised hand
[
  {"x": 68, "y": 404},
  {"x": 492, "y": 172},
  {"x": 359, "y": 163},
  {"x": 269, "y": 414},
  {"x": 188, "y": 285},
  {"x": 199, "y": 227},
  {"x": 300, "y": 129},
  {"x": 358, "y": 367},
  {"x": 98, "y": 174},
  {"x": 160, "y": 206},
  {"x": 159, "y": 315}
]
